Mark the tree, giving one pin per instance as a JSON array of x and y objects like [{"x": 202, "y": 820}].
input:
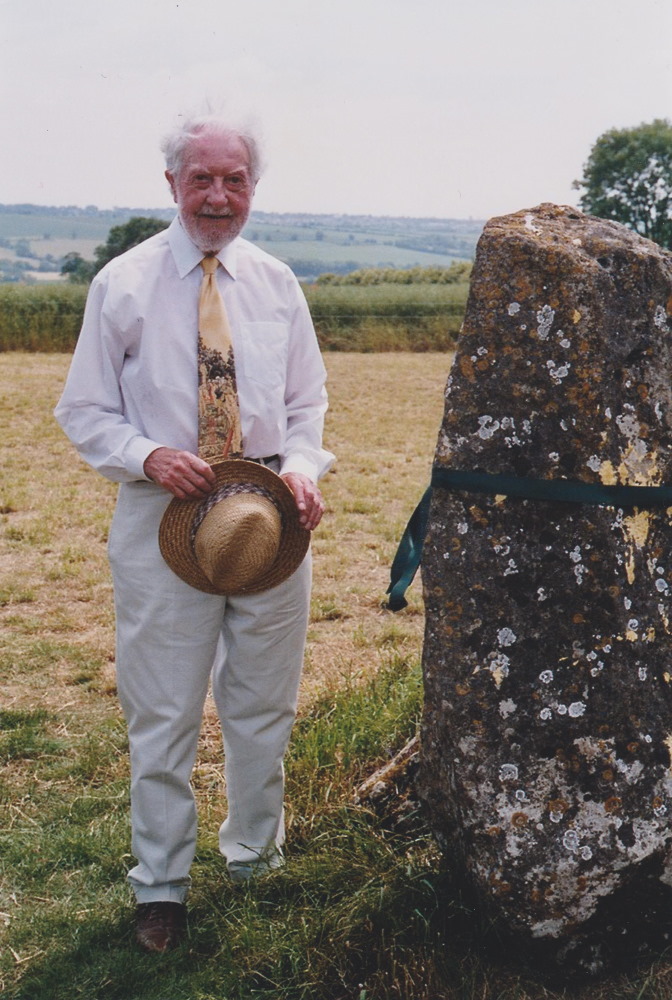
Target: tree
[
  {"x": 22, "y": 249},
  {"x": 122, "y": 238},
  {"x": 78, "y": 270},
  {"x": 119, "y": 239},
  {"x": 628, "y": 178}
]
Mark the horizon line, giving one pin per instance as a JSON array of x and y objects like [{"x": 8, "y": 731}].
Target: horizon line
[{"x": 117, "y": 209}]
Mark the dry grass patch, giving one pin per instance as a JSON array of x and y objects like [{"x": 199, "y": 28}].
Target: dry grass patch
[
  {"x": 55, "y": 593},
  {"x": 382, "y": 424},
  {"x": 56, "y": 609}
]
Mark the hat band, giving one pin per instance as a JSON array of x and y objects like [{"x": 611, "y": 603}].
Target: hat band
[{"x": 232, "y": 490}]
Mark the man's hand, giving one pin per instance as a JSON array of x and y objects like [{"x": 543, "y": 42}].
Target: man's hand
[
  {"x": 181, "y": 473},
  {"x": 308, "y": 499}
]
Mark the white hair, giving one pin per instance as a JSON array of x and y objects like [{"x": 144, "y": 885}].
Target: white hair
[{"x": 188, "y": 127}]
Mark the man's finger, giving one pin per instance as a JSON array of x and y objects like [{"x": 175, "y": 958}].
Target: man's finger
[
  {"x": 308, "y": 499},
  {"x": 181, "y": 473}
]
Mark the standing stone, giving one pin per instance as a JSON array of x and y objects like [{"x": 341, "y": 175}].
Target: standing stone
[{"x": 547, "y": 735}]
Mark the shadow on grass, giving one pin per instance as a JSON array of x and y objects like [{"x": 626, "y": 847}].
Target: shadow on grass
[
  {"x": 297, "y": 935},
  {"x": 290, "y": 935}
]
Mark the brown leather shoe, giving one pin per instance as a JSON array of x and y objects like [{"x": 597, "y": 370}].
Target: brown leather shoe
[{"x": 160, "y": 926}]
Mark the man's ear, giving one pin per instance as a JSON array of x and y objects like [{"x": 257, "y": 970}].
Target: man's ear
[{"x": 171, "y": 180}]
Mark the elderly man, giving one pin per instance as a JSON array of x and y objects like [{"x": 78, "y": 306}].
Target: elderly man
[{"x": 133, "y": 407}]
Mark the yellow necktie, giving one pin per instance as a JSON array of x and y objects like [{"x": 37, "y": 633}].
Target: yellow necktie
[{"x": 219, "y": 434}]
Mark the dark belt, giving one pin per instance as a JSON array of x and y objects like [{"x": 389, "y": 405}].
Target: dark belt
[{"x": 264, "y": 461}]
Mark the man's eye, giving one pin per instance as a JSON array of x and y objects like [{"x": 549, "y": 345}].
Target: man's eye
[{"x": 235, "y": 181}]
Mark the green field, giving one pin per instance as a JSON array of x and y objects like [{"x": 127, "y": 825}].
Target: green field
[{"x": 329, "y": 253}]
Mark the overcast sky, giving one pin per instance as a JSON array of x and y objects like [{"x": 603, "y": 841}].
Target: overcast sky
[{"x": 449, "y": 108}]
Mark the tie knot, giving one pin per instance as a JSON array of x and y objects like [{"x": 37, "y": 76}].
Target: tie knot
[{"x": 209, "y": 265}]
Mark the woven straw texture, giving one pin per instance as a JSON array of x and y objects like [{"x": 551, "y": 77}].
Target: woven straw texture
[{"x": 177, "y": 530}]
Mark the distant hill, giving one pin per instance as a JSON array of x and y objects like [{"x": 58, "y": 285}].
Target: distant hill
[{"x": 34, "y": 239}]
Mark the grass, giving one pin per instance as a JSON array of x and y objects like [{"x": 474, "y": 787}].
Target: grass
[{"x": 362, "y": 911}]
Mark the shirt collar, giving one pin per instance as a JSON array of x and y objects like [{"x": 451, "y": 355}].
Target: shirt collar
[{"x": 187, "y": 256}]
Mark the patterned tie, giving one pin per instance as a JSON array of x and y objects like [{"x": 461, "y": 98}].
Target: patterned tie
[{"x": 219, "y": 434}]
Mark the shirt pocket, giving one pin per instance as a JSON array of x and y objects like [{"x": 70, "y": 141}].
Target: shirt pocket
[{"x": 262, "y": 350}]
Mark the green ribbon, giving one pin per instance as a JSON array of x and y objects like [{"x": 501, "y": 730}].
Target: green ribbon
[
  {"x": 406, "y": 561},
  {"x": 409, "y": 553}
]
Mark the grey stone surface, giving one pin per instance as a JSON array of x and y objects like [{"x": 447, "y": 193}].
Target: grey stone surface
[{"x": 547, "y": 735}]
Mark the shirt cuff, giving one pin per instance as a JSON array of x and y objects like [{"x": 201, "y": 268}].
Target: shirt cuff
[
  {"x": 136, "y": 454},
  {"x": 314, "y": 468}
]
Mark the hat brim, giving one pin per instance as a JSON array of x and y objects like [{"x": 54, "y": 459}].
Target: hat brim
[{"x": 176, "y": 529}]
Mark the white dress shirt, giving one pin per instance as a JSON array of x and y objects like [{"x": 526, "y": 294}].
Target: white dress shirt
[{"x": 133, "y": 382}]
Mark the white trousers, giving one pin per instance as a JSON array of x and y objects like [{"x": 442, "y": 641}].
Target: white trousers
[{"x": 171, "y": 640}]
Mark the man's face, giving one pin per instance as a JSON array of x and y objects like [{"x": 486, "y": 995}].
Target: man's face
[{"x": 213, "y": 189}]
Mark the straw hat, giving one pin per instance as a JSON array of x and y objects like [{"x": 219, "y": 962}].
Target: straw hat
[{"x": 244, "y": 537}]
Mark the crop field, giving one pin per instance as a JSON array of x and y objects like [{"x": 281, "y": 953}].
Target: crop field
[
  {"x": 58, "y": 247},
  {"x": 388, "y": 317},
  {"x": 362, "y": 911},
  {"x": 330, "y": 252},
  {"x": 47, "y": 225}
]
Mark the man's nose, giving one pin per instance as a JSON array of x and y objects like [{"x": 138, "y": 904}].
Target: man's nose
[{"x": 217, "y": 193}]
